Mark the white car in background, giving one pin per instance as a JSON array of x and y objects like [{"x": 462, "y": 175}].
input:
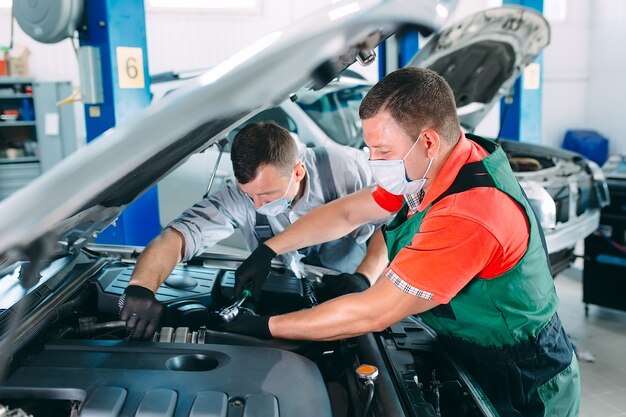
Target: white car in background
[{"x": 480, "y": 56}]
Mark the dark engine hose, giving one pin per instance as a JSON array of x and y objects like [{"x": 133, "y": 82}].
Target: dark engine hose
[{"x": 369, "y": 385}]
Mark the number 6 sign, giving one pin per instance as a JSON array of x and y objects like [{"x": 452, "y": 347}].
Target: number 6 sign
[{"x": 130, "y": 67}]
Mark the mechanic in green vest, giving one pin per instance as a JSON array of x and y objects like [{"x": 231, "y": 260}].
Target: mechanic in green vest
[{"x": 465, "y": 249}]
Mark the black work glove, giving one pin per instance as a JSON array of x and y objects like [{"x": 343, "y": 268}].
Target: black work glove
[
  {"x": 249, "y": 325},
  {"x": 254, "y": 271},
  {"x": 141, "y": 311},
  {"x": 337, "y": 285}
]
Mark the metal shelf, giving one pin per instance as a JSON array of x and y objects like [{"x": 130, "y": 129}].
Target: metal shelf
[
  {"x": 17, "y": 123},
  {"x": 17, "y": 172},
  {"x": 15, "y": 80},
  {"x": 17, "y": 95},
  {"x": 19, "y": 160}
]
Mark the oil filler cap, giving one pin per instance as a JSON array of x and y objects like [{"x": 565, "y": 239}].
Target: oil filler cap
[{"x": 367, "y": 372}]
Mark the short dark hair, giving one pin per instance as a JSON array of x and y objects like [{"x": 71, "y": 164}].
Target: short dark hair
[
  {"x": 416, "y": 98},
  {"x": 259, "y": 144}
]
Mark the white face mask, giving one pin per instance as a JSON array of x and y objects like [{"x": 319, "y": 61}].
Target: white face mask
[
  {"x": 391, "y": 175},
  {"x": 276, "y": 207}
]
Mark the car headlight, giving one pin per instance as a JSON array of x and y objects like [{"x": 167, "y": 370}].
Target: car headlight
[
  {"x": 599, "y": 184},
  {"x": 542, "y": 203},
  {"x": 596, "y": 171}
]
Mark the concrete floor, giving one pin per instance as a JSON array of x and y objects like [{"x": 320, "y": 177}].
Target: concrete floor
[{"x": 603, "y": 334}]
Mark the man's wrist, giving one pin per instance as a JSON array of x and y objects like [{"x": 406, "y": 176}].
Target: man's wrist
[
  {"x": 139, "y": 290},
  {"x": 267, "y": 250},
  {"x": 249, "y": 325},
  {"x": 364, "y": 277},
  {"x": 264, "y": 331},
  {"x": 145, "y": 284},
  {"x": 270, "y": 328}
]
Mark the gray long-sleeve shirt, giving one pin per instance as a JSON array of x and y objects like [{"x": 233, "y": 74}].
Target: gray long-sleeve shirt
[{"x": 216, "y": 217}]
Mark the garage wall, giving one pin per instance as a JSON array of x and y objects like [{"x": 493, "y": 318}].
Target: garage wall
[
  {"x": 579, "y": 87},
  {"x": 176, "y": 39},
  {"x": 607, "y": 70},
  {"x": 566, "y": 74},
  {"x": 184, "y": 40},
  {"x": 584, "y": 73}
]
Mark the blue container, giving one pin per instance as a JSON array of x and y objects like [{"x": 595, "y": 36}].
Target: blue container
[
  {"x": 588, "y": 143},
  {"x": 27, "y": 112}
]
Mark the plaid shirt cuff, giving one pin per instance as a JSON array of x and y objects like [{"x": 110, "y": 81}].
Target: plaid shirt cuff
[{"x": 406, "y": 287}]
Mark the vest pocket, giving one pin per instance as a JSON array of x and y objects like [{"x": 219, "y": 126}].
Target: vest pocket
[
  {"x": 444, "y": 311},
  {"x": 561, "y": 394}
]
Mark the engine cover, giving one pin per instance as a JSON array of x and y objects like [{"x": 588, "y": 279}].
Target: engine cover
[{"x": 128, "y": 379}]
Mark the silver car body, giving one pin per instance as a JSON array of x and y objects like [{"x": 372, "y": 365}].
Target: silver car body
[{"x": 263, "y": 74}]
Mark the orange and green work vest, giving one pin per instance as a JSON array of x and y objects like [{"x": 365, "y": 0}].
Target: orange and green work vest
[{"x": 504, "y": 330}]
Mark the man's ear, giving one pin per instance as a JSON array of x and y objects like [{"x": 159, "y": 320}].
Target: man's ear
[
  {"x": 300, "y": 171},
  {"x": 432, "y": 142}
]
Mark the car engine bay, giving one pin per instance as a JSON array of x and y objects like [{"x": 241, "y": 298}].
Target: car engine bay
[{"x": 77, "y": 359}]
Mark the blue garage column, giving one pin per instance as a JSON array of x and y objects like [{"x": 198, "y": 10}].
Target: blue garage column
[
  {"x": 396, "y": 52},
  {"x": 522, "y": 117},
  {"x": 117, "y": 29}
]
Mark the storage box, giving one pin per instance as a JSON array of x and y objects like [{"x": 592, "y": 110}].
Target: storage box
[
  {"x": 18, "y": 61},
  {"x": 588, "y": 143}
]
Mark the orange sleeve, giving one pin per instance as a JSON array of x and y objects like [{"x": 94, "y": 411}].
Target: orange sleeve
[
  {"x": 443, "y": 257},
  {"x": 390, "y": 202},
  {"x": 478, "y": 233}
]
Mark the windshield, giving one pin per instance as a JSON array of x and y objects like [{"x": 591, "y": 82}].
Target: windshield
[{"x": 336, "y": 112}]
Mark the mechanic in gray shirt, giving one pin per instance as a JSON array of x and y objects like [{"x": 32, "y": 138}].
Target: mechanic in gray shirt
[{"x": 274, "y": 188}]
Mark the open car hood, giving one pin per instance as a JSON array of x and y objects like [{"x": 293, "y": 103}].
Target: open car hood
[
  {"x": 88, "y": 190},
  {"x": 482, "y": 56}
]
